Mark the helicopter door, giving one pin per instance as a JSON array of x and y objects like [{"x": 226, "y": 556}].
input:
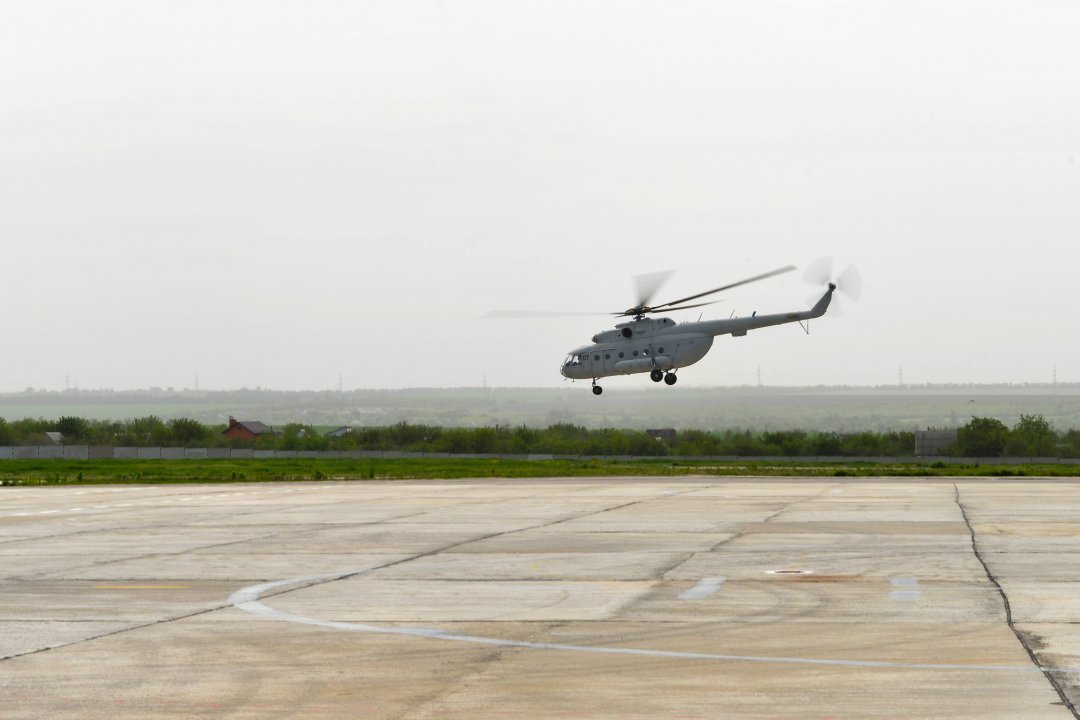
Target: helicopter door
[
  {"x": 602, "y": 361},
  {"x": 589, "y": 361}
]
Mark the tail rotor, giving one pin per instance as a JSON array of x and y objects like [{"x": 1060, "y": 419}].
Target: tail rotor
[{"x": 849, "y": 282}]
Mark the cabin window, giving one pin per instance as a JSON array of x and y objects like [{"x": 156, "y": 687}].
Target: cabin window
[
  {"x": 607, "y": 356},
  {"x": 661, "y": 351},
  {"x": 635, "y": 353},
  {"x": 622, "y": 354}
]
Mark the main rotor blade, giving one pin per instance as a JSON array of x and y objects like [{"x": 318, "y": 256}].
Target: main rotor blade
[
  {"x": 648, "y": 284},
  {"x": 779, "y": 271},
  {"x": 686, "y": 307},
  {"x": 509, "y": 314}
]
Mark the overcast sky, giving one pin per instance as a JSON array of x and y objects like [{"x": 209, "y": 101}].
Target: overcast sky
[{"x": 277, "y": 194}]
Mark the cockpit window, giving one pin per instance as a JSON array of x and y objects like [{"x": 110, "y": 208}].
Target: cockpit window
[{"x": 572, "y": 360}]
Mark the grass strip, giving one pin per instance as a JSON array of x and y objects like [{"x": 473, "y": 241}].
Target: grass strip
[{"x": 97, "y": 472}]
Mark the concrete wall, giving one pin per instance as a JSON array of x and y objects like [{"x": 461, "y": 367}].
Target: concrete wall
[
  {"x": 76, "y": 452},
  {"x": 97, "y": 452}
]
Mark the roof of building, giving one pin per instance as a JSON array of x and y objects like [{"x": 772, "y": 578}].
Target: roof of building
[{"x": 252, "y": 426}]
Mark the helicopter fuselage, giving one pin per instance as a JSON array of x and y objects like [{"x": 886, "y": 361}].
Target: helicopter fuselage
[{"x": 660, "y": 344}]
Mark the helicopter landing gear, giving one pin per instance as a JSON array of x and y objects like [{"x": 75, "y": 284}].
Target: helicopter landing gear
[
  {"x": 671, "y": 378},
  {"x": 656, "y": 375},
  {"x": 596, "y": 389}
]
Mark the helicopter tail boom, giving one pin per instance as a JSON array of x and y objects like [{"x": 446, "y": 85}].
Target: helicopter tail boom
[{"x": 740, "y": 326}]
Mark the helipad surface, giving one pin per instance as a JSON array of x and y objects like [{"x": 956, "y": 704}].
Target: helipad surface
[{"x": 578, "y": 598}]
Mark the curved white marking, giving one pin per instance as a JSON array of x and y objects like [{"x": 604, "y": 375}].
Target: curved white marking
[
  {"x": 704, "y": 588},
  {"x": 247, "y": 599}
]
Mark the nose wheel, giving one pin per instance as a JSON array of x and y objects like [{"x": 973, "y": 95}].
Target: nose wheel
[{"x": 596, "y": 389}]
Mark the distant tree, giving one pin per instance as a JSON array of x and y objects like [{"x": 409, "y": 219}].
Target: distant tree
[
  {"x": 454, "y": 440},
  {"x": 785, "y": 442},
  {"x": 105, "y": 432},
  {"x": 827, "y": 444},
  {"x": 403, "y": 436},
  {"x": 898, "y": 444},
  {"x": 863, "y": 443},
  {"x": 1032, "y": 436},
  {"x": 73, "y": 428},
  {"x": 639, "y": 443},
  {"x": 695, "y": 442},
  {"x": 186, "y": 431},
  {"x": 522, "y": 440},
  {"x": 144, "y": 431},
  {"x": 982, "y": 437},
  {"x": 30, "y": 431},
  {"x": 292, "y": 436},
  {"x": 1071, "y": 444},
  {"x": 484, "y": 440}
]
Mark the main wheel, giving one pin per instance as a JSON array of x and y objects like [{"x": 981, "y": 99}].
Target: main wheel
[
  {"x": 656, "y": 375},
  {"x": 671, "y": 379},
  {"x": 596, "y": 389}
]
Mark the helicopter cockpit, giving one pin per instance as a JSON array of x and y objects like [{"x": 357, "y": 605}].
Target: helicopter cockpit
[{"x": 575, "y": 366}]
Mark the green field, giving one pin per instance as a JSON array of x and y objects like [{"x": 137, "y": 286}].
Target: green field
[
  {"x": 828, "y": 409},
  {"x": 60, "y": 472}
]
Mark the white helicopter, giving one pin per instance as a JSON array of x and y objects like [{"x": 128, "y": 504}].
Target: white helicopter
[{"x": 660, "y": 346}]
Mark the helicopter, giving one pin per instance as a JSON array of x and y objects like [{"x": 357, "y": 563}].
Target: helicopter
[{"x": 660, "y": 346}]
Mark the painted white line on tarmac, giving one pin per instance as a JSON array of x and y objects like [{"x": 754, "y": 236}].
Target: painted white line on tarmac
[
  {"x": 247, "y": 599},
  {"x": 704, "y": 588},
  {"x": 906, "y": 589}
]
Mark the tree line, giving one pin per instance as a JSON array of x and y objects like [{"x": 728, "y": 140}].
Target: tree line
[{"x": 1032, "y": 436}]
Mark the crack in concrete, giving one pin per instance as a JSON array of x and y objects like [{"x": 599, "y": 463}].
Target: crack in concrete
[
  {"x": 739, "y": 534},
  {"x": 334, "y": 578},
  {"x": 1020, "y": 638}
]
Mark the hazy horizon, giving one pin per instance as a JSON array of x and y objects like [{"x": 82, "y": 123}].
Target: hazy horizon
[
  {"x": 847, "y": 409},
  {"x": 276, "y": 195},
  {"x": 573, "y": 387}
]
